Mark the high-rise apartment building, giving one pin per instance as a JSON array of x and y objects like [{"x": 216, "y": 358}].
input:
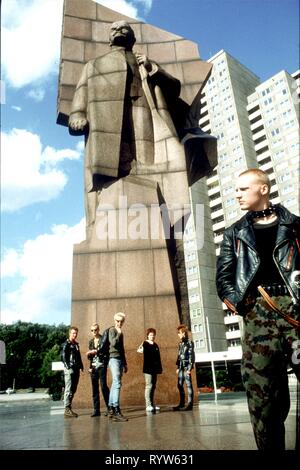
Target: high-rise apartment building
[
  {"x": 274, "y": 117},
  {"x": 257, "y": 125}
]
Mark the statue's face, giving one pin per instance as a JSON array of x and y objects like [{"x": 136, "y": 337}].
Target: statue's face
[{"x": 121, "y": 34}]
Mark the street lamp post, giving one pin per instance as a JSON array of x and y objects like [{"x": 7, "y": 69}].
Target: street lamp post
[{"x": 212, "y": 361}]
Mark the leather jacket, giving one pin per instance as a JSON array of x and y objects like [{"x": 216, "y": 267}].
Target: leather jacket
[
  {"x": 186, "y": 354},
  {"x": 238, "y": 261},
  {"x": 70, "y": 355},
  {"x": 93, "y": 358}
]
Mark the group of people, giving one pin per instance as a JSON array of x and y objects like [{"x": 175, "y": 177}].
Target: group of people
[
  {"x": 258, "y": 268},
  {"x": 258, "y": 277},
  {"x": 115, "y": 360},
  {"x": 152, "y": 367}
]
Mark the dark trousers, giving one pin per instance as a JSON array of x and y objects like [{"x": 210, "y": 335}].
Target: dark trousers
[
  {"x": 187, "y": 378},
  {"x": 99, "y": 375}
]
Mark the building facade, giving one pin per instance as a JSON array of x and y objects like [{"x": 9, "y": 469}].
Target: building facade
[{"x": 257, "y": 125}]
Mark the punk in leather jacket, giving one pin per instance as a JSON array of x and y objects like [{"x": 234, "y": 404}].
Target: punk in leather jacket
[
  {"x": 70, "y": 355},
  {"x": 238, "y": 261},
  {"x": 186, "y": 354}
]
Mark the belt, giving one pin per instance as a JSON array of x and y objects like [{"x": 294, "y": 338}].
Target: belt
[
  {"x": 292, "y": 321},
  {"x": 275, "y": 290}
]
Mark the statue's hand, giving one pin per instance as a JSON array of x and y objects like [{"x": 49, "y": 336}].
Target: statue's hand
[
  {"x": 142, "y": 59},
  {"x": 78, "y": 124}
]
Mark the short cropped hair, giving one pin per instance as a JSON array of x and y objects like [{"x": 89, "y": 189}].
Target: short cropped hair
[
  {"x": 119, "y": 316},
  {"x": 150, "y": 330},
  {"x": 73, "y": 328},
  {"x": 261, "y": 175}
]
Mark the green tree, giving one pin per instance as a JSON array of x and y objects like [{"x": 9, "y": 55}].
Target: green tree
[
  {"x": 26, "y": 347},
  {"x": 53, "y": 380}
]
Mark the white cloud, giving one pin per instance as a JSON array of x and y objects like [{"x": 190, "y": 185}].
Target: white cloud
[
  {"x": 129, "y": 8},
  {"x": 9, "y": 263},
  {"x": 29, "y": 173},
  {"x": 145, "y": 4},
  {"x": 44, "y": 269},
  {"x": 37, "y": 94},
  {"x": 122, "y": 6},
  {"x": 30, "y": 42},
  {"x": 31, "y": 33},
  {"x": 17, "y": 108}
]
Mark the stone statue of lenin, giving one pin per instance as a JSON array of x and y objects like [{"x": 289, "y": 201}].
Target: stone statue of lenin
[{"x": 127, "y": 107}]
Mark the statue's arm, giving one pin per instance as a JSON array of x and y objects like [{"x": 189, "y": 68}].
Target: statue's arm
[
  {"x": 78, "y": 115},
  {"x": 157, "y": 76}
]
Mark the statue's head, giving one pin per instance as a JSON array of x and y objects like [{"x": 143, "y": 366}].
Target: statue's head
[{"x": 121, "y": 34}]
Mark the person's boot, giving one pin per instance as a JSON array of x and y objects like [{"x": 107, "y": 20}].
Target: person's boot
[
  {"x": 110, "y": 411},
  {"x": 96, "y": 413},
  {"x": 117, "y": 416},
  {"x": 69, "y": 413},
  {"x": 75, "y": 415},
  {"x": 179, "y": 407},
  {"x": 188, "y": 407}
]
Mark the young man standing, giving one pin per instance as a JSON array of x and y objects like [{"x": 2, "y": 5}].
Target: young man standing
[
  {"x": 117, "y": 364},
  {"x": 98, "y": 370},
  {"x": 71, "y": 358},
  {"x": 185, "y": 363},
  {"x": 258, "y": 277}
]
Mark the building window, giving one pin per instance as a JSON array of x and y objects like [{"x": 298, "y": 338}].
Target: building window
[
  {"x": 229, "y": 202},
  {"x": 232, "y": 214},
  {"x": 228, "y": 190},
  {"x": 288, "y": 189},
  {"x": 193, "y": 284},
  {"x": 194, "y": 298},
  {"x": 285, "y": 177},
  {"x": 218, "y": 219},
  {"x": 216, "y": 208},
  {"x": 290, "y": 202},
  {"x": 262, "y": 150},
  {"x": 191, "y": 256}
]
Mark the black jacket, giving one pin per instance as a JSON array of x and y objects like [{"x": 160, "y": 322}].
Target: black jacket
[
  {"x": 70, "y": 355},
  {"x": 152, "y": 360},
  {"x": 91, "y": 347},
  {"x": 238, "y": 261},
  {"x": 186, "y": 354}
]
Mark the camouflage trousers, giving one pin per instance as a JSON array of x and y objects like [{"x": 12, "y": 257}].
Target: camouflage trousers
[{"x": 270, "y": 346}]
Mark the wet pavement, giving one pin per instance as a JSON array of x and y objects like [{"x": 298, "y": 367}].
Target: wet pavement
[{"x": 34, "y": 422}]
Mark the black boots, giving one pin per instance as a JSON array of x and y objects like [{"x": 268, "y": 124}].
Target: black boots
[
  {"x": 188, "y": 407},
  {"x": 96, "y": 413},
  {"x": 181, "y": 407},
  {"x": 177, "y": 408},
  {"x": 117, "y": 416},
  {"x": 69, "y": 413},
  {"x": 110, "y": 411}
]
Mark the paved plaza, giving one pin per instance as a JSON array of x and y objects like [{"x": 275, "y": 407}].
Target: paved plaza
[{"x": 34, "y": 422}]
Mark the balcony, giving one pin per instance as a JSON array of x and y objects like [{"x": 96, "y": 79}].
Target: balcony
[
  {"x": 218, "y": 226},
  {"x": 232, "y": 319},
  {"x": 236, "y": 334}
]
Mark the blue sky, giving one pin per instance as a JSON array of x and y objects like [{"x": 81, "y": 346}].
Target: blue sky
[{"x": 42, "y": 213}]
